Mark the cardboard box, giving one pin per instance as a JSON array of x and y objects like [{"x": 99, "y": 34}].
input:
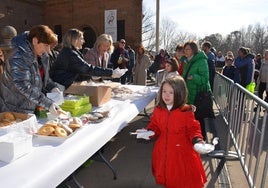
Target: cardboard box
[{"x": 98, "y": 94}]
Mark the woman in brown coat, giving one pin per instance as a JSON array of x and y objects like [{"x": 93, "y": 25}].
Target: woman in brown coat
[{"x": 140, "y": 69}]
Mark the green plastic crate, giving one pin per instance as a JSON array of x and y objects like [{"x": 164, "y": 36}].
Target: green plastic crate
[
  {"x": 74, "y": 101},
  {"x": 78, "y": 111}
]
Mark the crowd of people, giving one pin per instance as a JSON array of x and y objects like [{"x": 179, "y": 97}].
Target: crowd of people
[{"x": 36, "y": 68}]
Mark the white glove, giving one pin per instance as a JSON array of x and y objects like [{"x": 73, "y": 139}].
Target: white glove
[
  {"x": 55, "y": 90},
  {"x": 144, "y": 134},
  {"x": 117, "y": 73},
  {"x": 204, "y": 148},
  {"x": 54, "y": 109}
]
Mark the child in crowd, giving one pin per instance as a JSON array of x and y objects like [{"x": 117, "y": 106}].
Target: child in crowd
[
  {"x": 171, "y": 69},
  {"x": 229, "y": 68},
  {"x": 175, "y": 163},
  {"x": 179, "y": 55}
]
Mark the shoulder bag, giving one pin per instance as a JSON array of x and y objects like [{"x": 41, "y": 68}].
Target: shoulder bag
[{"x": 203, "y": 101}]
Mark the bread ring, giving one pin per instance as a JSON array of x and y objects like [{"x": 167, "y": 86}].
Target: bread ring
[
  {"x": 9, "y": 115},
  {"x": 51, "y": 124},
  {"x": 60, "y": 132},
  {"x": 65, "y": 125},
  {"x": 74, "y": 126},
  {"x": 45, "y": 130},
  {"x": 77, "y": 120}
]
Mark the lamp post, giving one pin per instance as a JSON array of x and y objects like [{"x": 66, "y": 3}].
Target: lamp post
[{"x": 157, "y": 27}]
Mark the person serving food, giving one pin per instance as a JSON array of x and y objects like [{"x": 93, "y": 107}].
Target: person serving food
[
  {"x": 70, "y": 65},
  {"x": 22, "y": 83}
]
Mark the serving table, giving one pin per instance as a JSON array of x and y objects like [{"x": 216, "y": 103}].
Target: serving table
[{"x": 50, "y": 162}]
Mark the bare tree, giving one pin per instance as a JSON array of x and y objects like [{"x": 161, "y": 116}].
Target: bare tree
[
  {"x": 148, "y": 29},
  {"x": 260, "y": 38},
  {"x": 167, "y": 33}
]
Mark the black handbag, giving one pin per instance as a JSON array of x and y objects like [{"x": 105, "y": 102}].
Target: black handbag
[
  {"x": 203, "y": 101},
  {"x": 204, "y": 105}
]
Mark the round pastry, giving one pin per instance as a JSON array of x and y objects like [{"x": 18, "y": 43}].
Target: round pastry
[
  {"x": 91, "y": 117},
  {"x": 77, "y": 120},
  {"x": 60, "y": 132},
  {"x": 98, "y": 115},
  {"x": 9, "y": 115},
  {"x": 45, "y": 130},
  {"x": 51, "y": 124},
  {"x": 65, "y": 125},
  {"x": 74, "y": 126}
]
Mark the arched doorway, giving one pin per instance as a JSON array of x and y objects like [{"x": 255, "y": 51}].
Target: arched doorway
[{"x": 89, "y": 36}]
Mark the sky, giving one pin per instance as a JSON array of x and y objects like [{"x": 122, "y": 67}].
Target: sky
[{"x": 205, "y": 17}]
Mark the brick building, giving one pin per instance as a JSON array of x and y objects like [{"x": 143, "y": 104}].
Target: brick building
[{"x": 86, "y": 15}]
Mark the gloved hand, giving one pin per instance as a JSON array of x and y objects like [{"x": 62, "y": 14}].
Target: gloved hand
[
  {"x": 144, "y": 134},
  {"x": 203, "y": 148},
  {"x": 117, "y": 73},
  {"x": 55, "y": 109},
  {"x": 55, "y": 90}
]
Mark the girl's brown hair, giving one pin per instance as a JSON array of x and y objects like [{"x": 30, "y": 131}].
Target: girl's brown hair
[
  {"x": 174, "y": 64},
  {"x": 180, "y": 92}
]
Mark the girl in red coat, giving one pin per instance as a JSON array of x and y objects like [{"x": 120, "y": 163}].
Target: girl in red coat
[{"x": 175, "y": 163}]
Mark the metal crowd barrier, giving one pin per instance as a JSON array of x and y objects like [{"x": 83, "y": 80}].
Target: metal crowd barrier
[{"x": 245, "y": 116}]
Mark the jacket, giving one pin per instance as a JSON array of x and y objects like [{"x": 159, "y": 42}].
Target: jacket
[
  {"x": 70, "y": 64},
  {"x": 175, "y": 163},
  {"x": 245, "y": 69},
  {"x": 94, "y": 58},
  {"x": 140, "y": 69},
  {"x": 116, "y": 56},
  {"x": 21, "y": 85},
  {"x": 200, "y": 72}
]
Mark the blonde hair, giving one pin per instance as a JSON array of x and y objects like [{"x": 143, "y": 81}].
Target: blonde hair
[
  {"x": 104, "y": 38},
  {"x": 71, "y": 37}
]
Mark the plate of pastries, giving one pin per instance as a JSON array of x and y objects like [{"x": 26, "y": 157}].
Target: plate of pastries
[
  {"x": 94, "y": 117},
  {"x": 59, "y": 129}
]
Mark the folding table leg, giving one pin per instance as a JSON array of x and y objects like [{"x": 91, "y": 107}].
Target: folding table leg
[
  {"x": 107, "y": 163},
  {"x": 76, "y": 182}
]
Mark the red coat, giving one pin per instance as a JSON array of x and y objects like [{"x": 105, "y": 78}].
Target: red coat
[{"x": 174, "y": 161}]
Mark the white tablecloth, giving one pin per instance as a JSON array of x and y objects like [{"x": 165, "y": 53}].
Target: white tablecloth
[{"x": 49, "y": 163}]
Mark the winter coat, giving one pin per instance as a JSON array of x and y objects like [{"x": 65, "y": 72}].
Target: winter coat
[
  {"x": 200, "y": 72},
  {"x": 115, "y": 58},
  {"x": 167, "y": 75},
  {"x": 245, "y": 70},
  {"x": 263, "y": 77},
  {"x": 140, "y": 69},
  {"x": 175, "y": 163},
  {"x": 229, "y": 71},
  {"x": 94, "y": 58},
  {"x": 70, "y": 64},
  {"x": 21, "y": 85}
]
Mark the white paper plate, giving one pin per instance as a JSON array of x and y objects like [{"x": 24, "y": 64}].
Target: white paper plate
[{"x": 55, "y": 139}]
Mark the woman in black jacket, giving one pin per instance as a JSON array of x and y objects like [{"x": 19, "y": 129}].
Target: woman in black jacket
[{"x": 70, "y": 64}]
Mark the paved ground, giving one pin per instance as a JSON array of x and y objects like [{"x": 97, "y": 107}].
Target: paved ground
[{"x": 132, "y": 160}]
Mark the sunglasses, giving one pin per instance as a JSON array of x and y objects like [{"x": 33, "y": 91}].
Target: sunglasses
[{"x": 122, "y": 42}]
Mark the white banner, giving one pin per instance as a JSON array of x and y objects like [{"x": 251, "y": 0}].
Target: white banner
[{"x": 110, "y": 25}]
